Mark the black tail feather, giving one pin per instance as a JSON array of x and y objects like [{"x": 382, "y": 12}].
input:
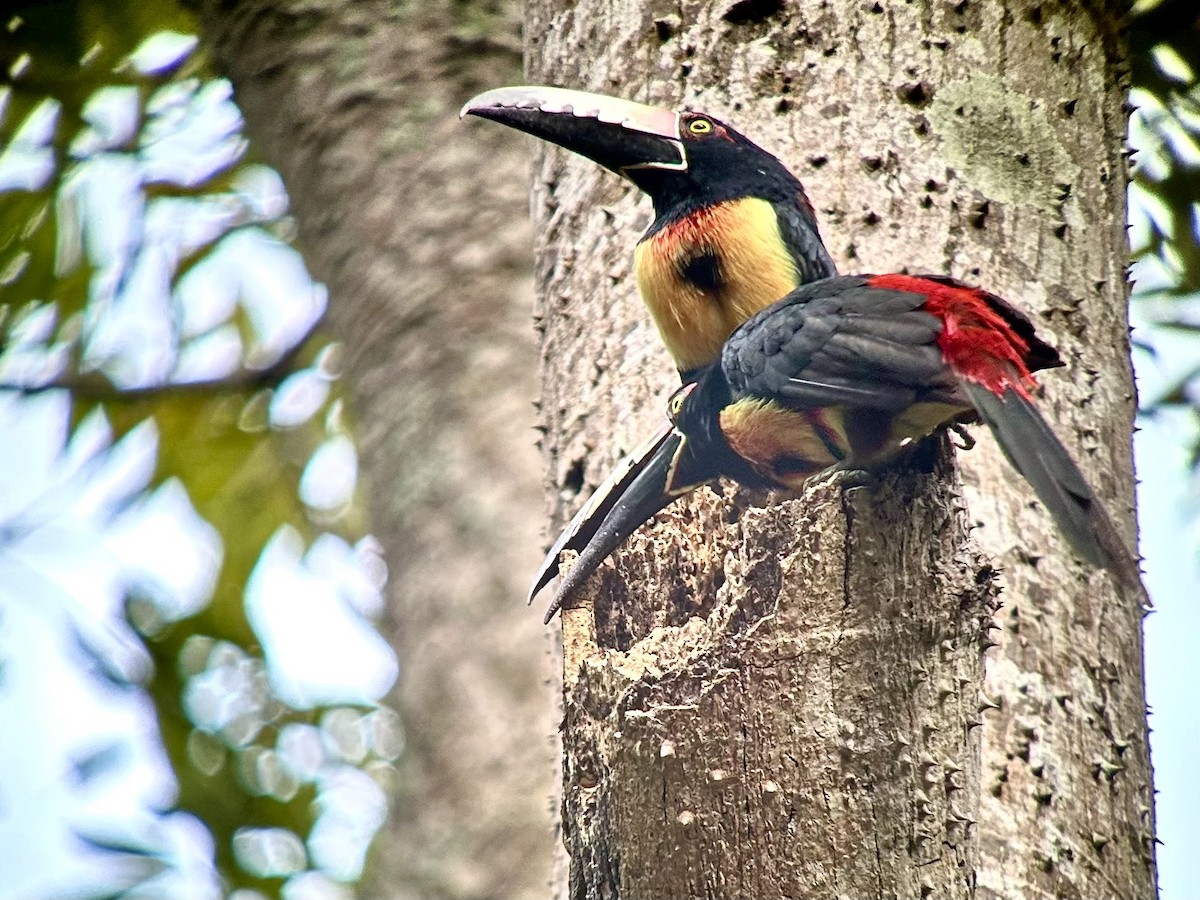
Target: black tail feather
[{"x": 1037, "y": 453}]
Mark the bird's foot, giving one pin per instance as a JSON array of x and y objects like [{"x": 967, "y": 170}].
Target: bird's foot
[
  {"x": 967, "y": 440},
  {"x": 844, "y": 478}
]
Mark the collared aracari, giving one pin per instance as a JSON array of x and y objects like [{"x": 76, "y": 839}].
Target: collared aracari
[
  {"x": 845, "y": 373},
  {"x": 733, "y": 230}
]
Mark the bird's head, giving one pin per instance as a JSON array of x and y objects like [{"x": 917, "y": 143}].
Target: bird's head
[{"x": 681, "y": 159}]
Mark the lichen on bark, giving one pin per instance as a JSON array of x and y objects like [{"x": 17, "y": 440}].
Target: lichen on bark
[{"x": 1001, "y": 141}]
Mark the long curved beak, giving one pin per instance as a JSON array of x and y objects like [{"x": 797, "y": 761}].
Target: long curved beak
[
  {"x": 618, "y": 134},
  {"x": 587, "y": 521},
  {"x": 667, "y": 469}
]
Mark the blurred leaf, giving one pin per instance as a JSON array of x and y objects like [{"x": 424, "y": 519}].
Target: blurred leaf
[
  {"x": 99, "y": 762},
  {"x": 69, "y": 285},
  {"x": 126, "y": 845},
  {"x": 1165, "y": 197}
]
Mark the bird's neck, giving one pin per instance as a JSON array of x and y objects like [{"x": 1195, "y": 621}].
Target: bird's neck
[{"x": 705, "y": 270}]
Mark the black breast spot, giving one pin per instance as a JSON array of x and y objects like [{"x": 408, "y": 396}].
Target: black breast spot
[{"x": 703, "y": 271}]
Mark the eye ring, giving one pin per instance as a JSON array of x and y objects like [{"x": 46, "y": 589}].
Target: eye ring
[
  {"x": 675, "y": 404},
  {"x": 700, "y": 126}
]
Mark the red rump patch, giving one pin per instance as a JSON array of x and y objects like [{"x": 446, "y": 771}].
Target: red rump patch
[{"x": 976, "y": 341}]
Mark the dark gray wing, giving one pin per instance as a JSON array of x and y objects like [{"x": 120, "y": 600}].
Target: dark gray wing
[{"x": 840, "y": 342}]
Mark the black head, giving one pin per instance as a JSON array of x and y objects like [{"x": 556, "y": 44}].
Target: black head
[
  {"x": 695, "y": 411},
  {"x": 720, "y": 164}
]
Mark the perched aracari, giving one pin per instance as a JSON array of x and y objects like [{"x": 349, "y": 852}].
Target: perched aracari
[
  {"x": 845, "y": 373},
  {"x": 733, "y": 230}
]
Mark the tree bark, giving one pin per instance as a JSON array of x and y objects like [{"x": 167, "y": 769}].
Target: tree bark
[
  {"x": 769, "y": 699},
  {"x": 418, "y": 225}
]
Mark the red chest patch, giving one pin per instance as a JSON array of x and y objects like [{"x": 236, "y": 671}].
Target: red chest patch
[{"x": 701, "y": 228}]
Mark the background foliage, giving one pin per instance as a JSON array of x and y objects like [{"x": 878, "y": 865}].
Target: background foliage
[
  {"x": 1164, "y": 197},
  {"x": 179, "y": 493},
  {"x": 185, "y": 576}
]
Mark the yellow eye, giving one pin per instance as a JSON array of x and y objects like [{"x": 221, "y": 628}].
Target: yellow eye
[
  {"x": 675, "y": 404},
  {"x": 700, "y": 126}
]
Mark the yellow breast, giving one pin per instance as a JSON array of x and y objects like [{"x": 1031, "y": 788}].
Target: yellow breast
[
  {"x": 739, "y": 241},
  {"x": 785, "y": 446}
]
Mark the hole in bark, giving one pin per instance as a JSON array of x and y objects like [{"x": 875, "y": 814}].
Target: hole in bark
[
  {"x": 914, "y": 93},
  {"x": 573, "y": 481},
  {"x": 925, "y": 455},
  {"x": 818, "y": 161},
  {"x": 1068, "y": 108},
  {"x": 979, "y": 214},
  {"x": 748, "y": 12}
]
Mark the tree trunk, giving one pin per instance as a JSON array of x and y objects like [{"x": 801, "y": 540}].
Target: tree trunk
[
  {"x": 420, "y": 232},
  {"x": 781, "y": 698}
]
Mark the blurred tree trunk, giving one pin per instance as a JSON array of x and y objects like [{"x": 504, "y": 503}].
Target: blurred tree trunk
[
  {"x": 768, "y": 699},
  {"x": 418, "y": 225}
]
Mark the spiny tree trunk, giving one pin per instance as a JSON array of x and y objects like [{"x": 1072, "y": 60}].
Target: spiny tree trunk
[
  {"x": 419, "y": 228},
  {"x": 768, "y": 699}
]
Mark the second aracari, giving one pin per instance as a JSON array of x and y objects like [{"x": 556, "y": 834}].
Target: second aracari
[{"x": 844, "y": 374}]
